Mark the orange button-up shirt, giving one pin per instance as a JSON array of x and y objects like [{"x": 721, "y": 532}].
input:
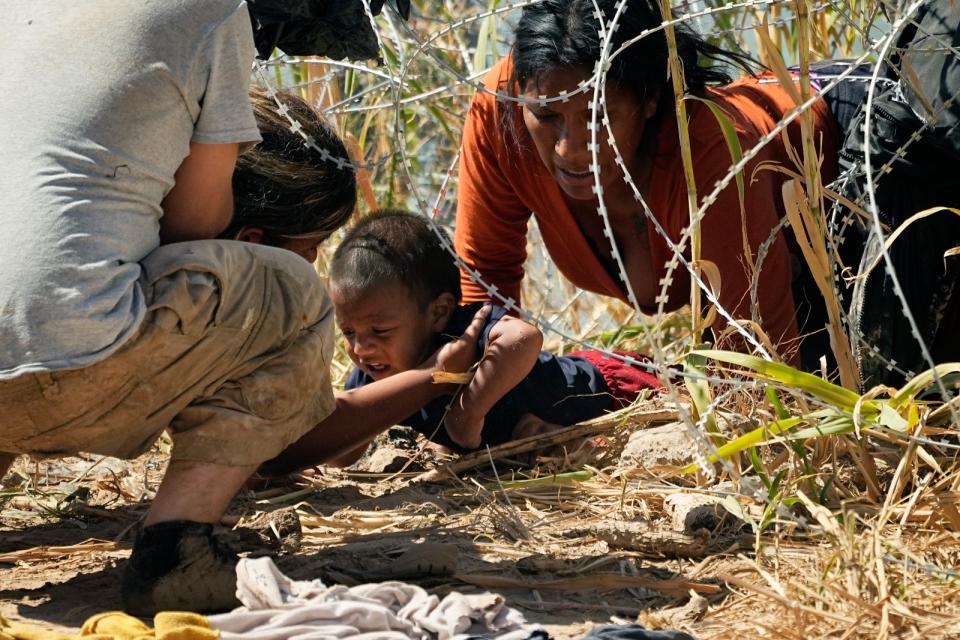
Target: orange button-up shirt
[{"x": 502, "y": 182}]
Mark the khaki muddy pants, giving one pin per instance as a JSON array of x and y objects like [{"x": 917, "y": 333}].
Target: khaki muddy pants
[{"x": 233, "y": 357}]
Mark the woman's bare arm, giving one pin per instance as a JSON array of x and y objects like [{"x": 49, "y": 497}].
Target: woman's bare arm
[
  {"x": 200, "y": 204},
  {"x": 360, "y": 414}
]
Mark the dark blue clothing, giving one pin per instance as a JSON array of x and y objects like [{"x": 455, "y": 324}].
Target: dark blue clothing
[
  {"x": 633, "y": 632},
  {"x": 563, "y": 390}
]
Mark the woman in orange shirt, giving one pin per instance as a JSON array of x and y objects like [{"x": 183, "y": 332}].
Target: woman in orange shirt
[
  {"x": 527, "y": 152},
  {"x": 531, "y": 157}
]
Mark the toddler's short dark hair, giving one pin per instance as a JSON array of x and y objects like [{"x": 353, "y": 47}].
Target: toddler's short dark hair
[{"x": 392, "y": 244}]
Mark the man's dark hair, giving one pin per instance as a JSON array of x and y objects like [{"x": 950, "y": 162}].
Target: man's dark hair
[{"x": 392, "y": 244}]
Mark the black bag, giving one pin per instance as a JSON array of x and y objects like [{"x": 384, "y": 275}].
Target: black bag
[
  {"x": 333, "y": 29},
  {"x": 915, "y": 167},
  {"x": 932, "y": 72}
]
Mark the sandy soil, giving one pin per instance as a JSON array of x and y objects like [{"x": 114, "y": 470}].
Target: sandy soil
[
  {"x": 570, "y": 553},
  {"x": 354, "y": 527}
]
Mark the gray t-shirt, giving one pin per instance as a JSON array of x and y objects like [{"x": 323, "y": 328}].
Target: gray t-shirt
[{"x": 100, "y": 100}]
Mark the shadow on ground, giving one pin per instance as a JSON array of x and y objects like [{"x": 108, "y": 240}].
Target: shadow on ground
[{"x": 71, "y": 602}]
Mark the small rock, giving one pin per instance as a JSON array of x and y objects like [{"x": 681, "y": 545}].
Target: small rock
[
  {"x": 278, "y": 530},
  {"x": 659, "y": 448},
  {"x": 678, "y": 617},
  {"x": 691, "y": 512},
  {"x": 383, "y": 460},
  {"x": 400, "y": 437},
  {"x": 391, "y": 452}
]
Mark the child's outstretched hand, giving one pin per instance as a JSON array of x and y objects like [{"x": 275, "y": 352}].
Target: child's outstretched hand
[
  {"x": 360, "y": 414},
  {"x": 458, "y": 355}
]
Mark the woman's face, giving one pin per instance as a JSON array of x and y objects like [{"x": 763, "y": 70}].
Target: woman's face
[
  {"x": 560, "y": 134},
  {"x": 306, "y": 248}
]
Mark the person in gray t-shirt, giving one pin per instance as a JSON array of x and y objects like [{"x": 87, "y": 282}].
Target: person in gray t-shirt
[{"x": 120, "y": 316}]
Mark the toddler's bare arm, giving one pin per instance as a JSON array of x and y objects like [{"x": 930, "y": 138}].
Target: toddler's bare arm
[{"x": 512, "y": 350}]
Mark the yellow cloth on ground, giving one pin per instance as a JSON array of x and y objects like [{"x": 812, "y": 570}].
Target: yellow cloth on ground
[{"x": 114, "y": 625}]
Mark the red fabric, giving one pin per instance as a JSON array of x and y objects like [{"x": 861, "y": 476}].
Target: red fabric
[
  {"x": 625, "y": 381},
  {"x": 503, "y": 182}
]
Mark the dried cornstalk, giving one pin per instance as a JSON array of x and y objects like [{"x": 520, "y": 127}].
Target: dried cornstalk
[
  {"x": 34, "y": 554},
  {"x": 541, "y": 441}
]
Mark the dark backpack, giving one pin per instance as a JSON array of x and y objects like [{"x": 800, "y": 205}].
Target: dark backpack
[
  {"x": 932, "y": 72},
  {"x": 914, "y": 150}
]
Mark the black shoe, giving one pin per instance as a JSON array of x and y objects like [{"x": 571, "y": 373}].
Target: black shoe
[{"x": 179, "y": 566}]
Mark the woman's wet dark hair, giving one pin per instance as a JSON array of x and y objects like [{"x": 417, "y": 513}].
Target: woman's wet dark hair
[
  {"x": 283, "y": 186},
  {"x": 564, "y": 34}
]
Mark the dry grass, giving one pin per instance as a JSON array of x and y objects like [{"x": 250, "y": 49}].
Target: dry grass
[
  {"x": 569, "y": 552},
  {"x": 855, "y": 534}
]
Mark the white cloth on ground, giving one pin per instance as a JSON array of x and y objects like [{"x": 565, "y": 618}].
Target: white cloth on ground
[{"x": 278, "y": 608}]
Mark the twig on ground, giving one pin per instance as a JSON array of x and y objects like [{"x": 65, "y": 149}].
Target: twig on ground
[{"x": 541, "y": 441}]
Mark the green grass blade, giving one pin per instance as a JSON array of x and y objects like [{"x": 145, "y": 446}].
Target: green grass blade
[
  {"x": 731, "y": 138},
  {"x": 699, "y": 390},
  {"x": 778, "y": 407},
  {"x": 819, "y": 388},
  {"x": 921, "y": 382},
  {"x": 750, "y": 439},
  {"x": 560, "y": 478},
  {"x": 838, "y": 426}
]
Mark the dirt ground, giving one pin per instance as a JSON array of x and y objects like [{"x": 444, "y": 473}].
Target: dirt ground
[
  {"x": 570, "y": 552},
  {"x": 67, "y": 526}
]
